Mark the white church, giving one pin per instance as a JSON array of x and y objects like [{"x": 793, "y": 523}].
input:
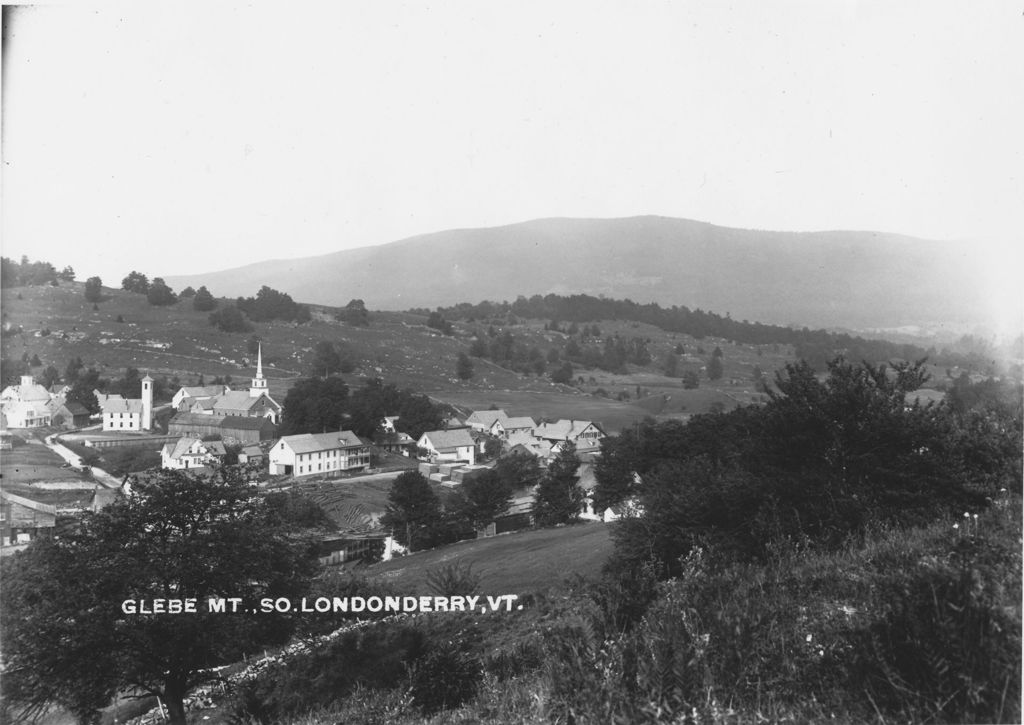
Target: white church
[{"x": 129, "y": 414}]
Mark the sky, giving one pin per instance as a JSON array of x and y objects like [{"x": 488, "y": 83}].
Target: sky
[{"x": 183, "y": 137}]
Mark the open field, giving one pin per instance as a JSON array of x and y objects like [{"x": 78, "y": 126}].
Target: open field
[
  {"x": 515, "y": 563},
  {"x": 30, "y": 461}
]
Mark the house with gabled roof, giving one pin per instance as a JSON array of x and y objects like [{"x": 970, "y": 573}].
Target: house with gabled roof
[
  {"x": 69, "y": 414},
  {"x": 187, "y": 396},
  {"x": 22, "y": 519},
  {"x": 485, "y": 420},
  {"x": 449, "y": 445},
  {"x": 521, "y": 424},
  {"x": 323, "y": 454},
  {"x": 584, "y": 434},
  {"x": 26, "y": 405},
  {"x": 189, "y": 452}
]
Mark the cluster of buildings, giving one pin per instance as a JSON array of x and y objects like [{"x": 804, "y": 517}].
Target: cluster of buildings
[
  {"x": 460, "y": 445},
  {"x": 30, "y": 405}
]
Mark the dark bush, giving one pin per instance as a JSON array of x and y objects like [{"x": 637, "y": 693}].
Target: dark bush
[{"x": 445, "y": 678}]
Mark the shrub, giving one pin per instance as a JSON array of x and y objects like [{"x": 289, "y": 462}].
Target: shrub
[
  {"x": 454, "y": 578},
  {"x": 445, "y": 678},
  {"x": 945, "y": 643}
]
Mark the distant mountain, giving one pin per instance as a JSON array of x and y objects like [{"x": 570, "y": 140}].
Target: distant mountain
[{"x": 827, "y": 279}]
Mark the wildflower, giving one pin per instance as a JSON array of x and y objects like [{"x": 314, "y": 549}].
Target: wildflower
[
  {"x": 966, "y": 515},
  {"x": 956, "y": 526},
  {"x": 809, "y": 637}
]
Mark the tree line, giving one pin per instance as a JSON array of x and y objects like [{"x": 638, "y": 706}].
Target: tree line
[{"x": 818, "y": 346}]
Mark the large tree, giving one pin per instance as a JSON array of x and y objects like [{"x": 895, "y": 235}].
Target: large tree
[
  {"x": 482, "y": 498},
  {"x": 413, "y": 512},
  {"x": 70, "y": 639},
  {"x": 203, "y": 301},
  {"x": 159, "y": 294},
  {"x": 315, "y": 405},
  {"x": 559, "y": 497},
  {"x": 94, "y": 289},
  {"x": 463, "y": 366},
  {"x": 135, "y": 282}
]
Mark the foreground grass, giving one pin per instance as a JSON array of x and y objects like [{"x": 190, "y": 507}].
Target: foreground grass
[{"x": 918, "y": 625}]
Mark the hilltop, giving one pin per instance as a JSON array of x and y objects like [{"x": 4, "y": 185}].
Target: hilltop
[{"x": 849, "y": 279}]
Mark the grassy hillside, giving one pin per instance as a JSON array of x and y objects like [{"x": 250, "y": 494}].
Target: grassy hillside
[
  {"x": 398, "y": 347},
  {"x": 515, "y": 563}
]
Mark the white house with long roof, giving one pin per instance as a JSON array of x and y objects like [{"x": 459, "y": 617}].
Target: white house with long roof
[
  {"x": 311, "y": 454},
  {"x": 190, "y": 452},
  {"x": 26, "y": 405},
  {"x": 449, "y": 445}
]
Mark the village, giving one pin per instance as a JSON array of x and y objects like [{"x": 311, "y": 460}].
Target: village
[{"x": 200, "y": 425}]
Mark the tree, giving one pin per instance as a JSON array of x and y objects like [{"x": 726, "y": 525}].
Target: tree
[
  {"x": 483, "y": 498},
  {"x": 691, "y": 381},
  {"x": 559, "y": 496},
  {"x": 270, "y": 304},
  {"x": 70, "y": 639},
  {"x": 478, "y": 348},
  {"x": 436, "y": 320},
  {"x": 135, "y": 282},
  {"x": 187, "y": 292},
  {"x": 203, "y": 300},
  {"x": 94, "y": 289},
  {"x": 464, "y": 367},
  {"x": 67, "y": 274},
  {"x": 326, "y": 360},
  {"x": 159, "y": 294},
  {"x": 229, "y": 319},
  {"x": 715, "y": 368},
  {"x": 413, "y": 511},
  {"x": 563, "y": 374},
  {"x": 671, "y": 365},
  {"x": 49, "y": 377},
  {"x": 315, "y": 405},
  {"x": 820, "y": 462},
  {"x": 520, "y": 471},
  {"x": 354, "y": 313}
]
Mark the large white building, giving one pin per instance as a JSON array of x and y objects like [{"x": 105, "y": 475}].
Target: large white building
[
  {"x": 26, "y": 405},
  {"x": 324, "y": 454},
  {"x": 129, "y": 414},
  {"x": 449, "y": 446}
]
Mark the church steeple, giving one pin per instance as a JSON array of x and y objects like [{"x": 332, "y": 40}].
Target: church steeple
[{"x": 259, "y": 383}]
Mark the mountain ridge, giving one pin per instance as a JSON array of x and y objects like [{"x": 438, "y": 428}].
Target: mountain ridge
[{"x": 831, "y": 278}]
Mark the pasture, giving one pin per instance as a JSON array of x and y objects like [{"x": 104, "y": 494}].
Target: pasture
[
  {"x": 515, "y": 563},
  {"x": 32, "y": 462}
]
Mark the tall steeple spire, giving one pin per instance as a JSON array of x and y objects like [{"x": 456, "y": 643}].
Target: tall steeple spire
[{"x": 259, "y": 383}]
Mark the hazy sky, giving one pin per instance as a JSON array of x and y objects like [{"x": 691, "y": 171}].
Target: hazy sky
[{"x": 190, "y": 137}]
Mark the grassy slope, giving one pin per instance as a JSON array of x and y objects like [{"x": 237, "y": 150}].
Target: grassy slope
[
  {"x": 514, "y": 563},
  {"x": 397, "y": 347}
]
